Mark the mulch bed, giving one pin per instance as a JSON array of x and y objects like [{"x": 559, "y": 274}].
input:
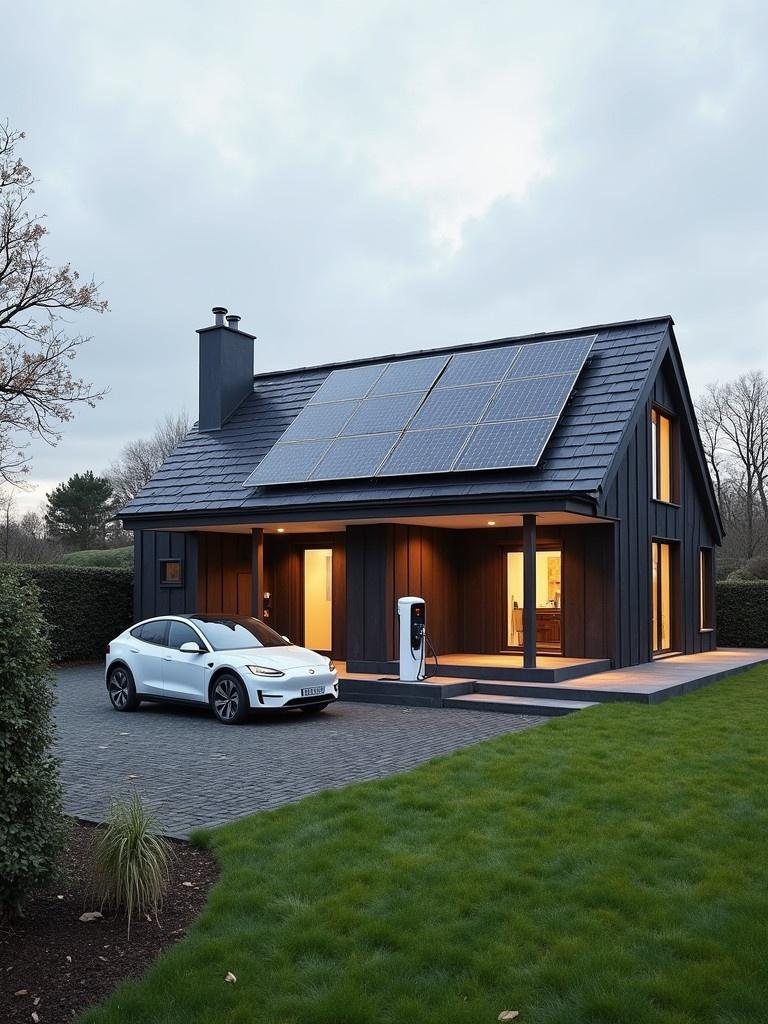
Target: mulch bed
[{"x": 54, "y": 966}]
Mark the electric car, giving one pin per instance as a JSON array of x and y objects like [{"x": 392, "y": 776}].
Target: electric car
[{"x": 232, "y": 664}]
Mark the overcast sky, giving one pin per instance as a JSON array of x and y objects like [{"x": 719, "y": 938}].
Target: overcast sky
[{"x": 370, "y": 177}]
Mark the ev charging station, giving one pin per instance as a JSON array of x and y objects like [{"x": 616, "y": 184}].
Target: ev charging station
[{"x": 412, "y": 612}]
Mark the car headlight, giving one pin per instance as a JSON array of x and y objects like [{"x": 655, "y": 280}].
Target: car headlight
[
  {"x": 261, "y": 670},
  {"x": 331, "y": 665}
]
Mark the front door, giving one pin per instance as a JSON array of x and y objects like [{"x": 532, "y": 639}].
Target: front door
[
  {"x": 318, "y": 599},
  {"x": 548, "y": 600}
]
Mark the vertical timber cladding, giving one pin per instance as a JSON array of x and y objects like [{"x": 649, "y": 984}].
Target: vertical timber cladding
[
  {"x": 283, "y": 580},
  {"x": 642, "y": 520},
  {"x": 150, "y": 547},
  {"x": 224, "y": 573},
  {"x": 389, "y": 561}
]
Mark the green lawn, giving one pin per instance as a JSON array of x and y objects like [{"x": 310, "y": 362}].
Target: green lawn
[{"x": 611, "y": 866}]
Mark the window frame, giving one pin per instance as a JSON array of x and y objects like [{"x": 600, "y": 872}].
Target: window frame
[
  {"x": 203, "y": 643},
  {"x": 706, "y": 589},
  {"x": 162, "y": 563},
  {"x": 659, "y": 411},
  {"x": 150, "y": 622}
]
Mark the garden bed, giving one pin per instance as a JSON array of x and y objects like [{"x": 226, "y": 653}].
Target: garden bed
[{"x": 60, "y": 965}]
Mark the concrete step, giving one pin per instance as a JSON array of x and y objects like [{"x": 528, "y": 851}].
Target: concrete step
[
  {"x": 546, "y": 707},
  {"x": 558, "y": 691},
  {"x": 518, "y": 674}
]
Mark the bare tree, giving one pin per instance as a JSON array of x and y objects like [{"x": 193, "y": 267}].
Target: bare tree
[
  {"x": 733, "y": 418},
  {"x": 140, "y": 460},
  {"x": 38, "y": 391}
]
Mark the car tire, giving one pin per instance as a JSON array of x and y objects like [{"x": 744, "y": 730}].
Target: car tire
[
  {"x": 122, "y": 689},
  {"x": 229, "y": 701},
  {"x": 314, "y": 709}
]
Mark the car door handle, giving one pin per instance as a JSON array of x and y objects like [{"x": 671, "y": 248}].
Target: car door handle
[
  {"x": 167, "y": 657},
  {"x": 134, "y": 650}
]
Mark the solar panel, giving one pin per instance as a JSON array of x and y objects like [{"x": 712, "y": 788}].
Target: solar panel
[
  {"x": 566, "y": 356},
  {"x": 426, "y": 451},
  {"x": 379, "y": 415},
  {"x": 484, "y": 409},
  {"x": 325, "y": 420},
  {"x": 287, "y": 463},
  {"x": 450, "y": 406},
  {"x": 409, "y": 375},
  {"x": 354, "y": 382},
  {"x": 479, "y": 367},
  {"x": 350, "y": 457},
  {"x": 531, "y": 396},
  {"x": 506, "y": 445}
]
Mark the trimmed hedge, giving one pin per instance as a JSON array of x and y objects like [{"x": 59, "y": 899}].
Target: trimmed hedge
[
  {"x": 85, "y": 606},
  {"x": 742, "y": 613},
  {"x": 112, "y": 558}
]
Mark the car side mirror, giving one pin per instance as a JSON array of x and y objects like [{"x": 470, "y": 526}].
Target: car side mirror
[
  {"x": 190, "y": 647},
  {"x": 286, "y": 638}
]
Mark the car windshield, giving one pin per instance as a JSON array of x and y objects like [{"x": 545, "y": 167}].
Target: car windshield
[{"x": 231, "y": 634}]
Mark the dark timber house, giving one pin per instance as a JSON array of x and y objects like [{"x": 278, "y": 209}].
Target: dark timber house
[{"x": 546, "y": 495}]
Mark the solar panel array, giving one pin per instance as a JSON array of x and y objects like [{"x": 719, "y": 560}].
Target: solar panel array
[{"x": 486, "y": 409}]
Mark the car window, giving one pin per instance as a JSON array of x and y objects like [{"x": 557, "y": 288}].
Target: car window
[
  {"x": 229, "y": 634},
  {"x": 180, "y": 633},
  {"x": 153, "y": 632}
]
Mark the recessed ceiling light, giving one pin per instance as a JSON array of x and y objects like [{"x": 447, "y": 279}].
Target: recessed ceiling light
[
  {"x": 280, "y": 529},
  {"x": 491, "y": 522}
]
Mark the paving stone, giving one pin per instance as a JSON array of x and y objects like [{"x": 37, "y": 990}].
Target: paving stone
[{"x": 197, "y": 772}]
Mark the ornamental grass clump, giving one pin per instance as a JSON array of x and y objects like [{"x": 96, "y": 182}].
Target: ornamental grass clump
[{"x": 131, "y": 861}]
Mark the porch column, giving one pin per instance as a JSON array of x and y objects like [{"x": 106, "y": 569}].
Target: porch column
[
  {"x": 257, "y": 572},
  {"x": 529, "y": 591}
]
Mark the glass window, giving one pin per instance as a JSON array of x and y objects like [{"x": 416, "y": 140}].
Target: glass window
[
  {"x": 661, "y": 566},
  {"x": 706, "y": 589},
  {"x": 662, "y": 461},
  {"x": 152, "y": 632},
  {"x": 180, "y": 633},
  {"x": 233, "y": 634},
  {"x": 171, "y": 573},
  {"x": 318, "y": 598},
  {"x": 548, "y": 598}
]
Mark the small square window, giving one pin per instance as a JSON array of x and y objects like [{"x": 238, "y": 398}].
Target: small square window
[
  {"x": 706, "y": 589},
  {"x": 171, "y": 572}
]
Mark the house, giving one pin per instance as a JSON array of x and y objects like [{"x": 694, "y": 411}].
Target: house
[{"x": 547, "y": 495}]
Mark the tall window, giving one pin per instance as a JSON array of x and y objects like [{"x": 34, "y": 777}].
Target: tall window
[
  {"x": 661, "y": 596},
  {"x": 662, "y": 457},
  {"x": 706, "y": 589}
]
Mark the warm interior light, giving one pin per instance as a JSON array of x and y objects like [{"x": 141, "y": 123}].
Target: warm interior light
[
  {"x": 280, "y": 529},
  {"x": 491, "y": 522}
]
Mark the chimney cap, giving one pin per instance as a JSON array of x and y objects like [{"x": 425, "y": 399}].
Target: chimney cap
[
  {"x": 232, "y": 321},
  {"x": 219, "y": 312}
]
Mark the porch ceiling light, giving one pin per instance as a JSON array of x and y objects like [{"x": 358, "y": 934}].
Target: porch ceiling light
[
  {"x": 491, "y": 522},
  {"x": 280, "y": 529},
  {"x": 262, "y": 670}
]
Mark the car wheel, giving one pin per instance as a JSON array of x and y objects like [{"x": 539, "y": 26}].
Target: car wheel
[
  {"x": 122, "y": 689},
  {"x": 229, "y": 701},
  {"x": 314, "y": 709}
]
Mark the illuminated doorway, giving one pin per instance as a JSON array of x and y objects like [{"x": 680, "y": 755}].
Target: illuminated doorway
[
  {"x": 318, "y": 599},
  {"x": 548, "y": 600}
]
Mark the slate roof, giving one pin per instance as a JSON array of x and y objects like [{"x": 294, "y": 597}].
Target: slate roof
[{"x": 205, "y": 473}]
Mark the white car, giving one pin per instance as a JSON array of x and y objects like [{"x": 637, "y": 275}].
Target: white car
[{"x": 232, "y": 664}]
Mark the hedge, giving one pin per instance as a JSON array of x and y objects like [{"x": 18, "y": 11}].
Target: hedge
[
  {"x": 742, "y": 613},
  {"x": 85, "y": 606},
  {"x": 112, "y": 558}
]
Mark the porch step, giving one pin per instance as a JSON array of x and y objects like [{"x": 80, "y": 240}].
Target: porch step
[
  {"x": 546, "y": 707},
  {"x": 518, "y": 674},
  {"x": 558, "y": 691}
]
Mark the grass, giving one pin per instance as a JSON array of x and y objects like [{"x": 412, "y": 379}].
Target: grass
[
  {"x": 606, "y": 867},
  {"x": 110, "y": 557}
]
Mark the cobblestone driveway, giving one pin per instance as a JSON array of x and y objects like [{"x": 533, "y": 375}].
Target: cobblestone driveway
[{"x": 196, "y": 772}]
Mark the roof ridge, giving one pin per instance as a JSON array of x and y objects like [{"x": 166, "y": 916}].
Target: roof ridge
[{"x": 465, "y": 346}]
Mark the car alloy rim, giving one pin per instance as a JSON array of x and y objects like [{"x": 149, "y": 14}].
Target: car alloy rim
[
  {"x": 226, "y": 699},
  {"x": 118, "y": 688}
]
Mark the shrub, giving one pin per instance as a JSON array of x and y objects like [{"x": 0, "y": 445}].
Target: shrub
[
  {"x": 110, "y": 558},
  {"x": 130, "y": 868},
  {"x": 742, "y": 613},
  {"x": 754, "y": 569},
  {"x": 32, "y": 827},
  {"x": 85, "y": 607}
]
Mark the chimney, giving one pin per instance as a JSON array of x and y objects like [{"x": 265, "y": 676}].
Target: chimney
[{"x": 226, "y": 369}]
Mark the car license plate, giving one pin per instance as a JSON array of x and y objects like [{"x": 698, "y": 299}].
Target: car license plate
[{"x": 312, "y": 691}]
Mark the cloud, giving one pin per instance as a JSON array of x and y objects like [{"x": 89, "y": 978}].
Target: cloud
[{"x": 361, "y": 179}]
